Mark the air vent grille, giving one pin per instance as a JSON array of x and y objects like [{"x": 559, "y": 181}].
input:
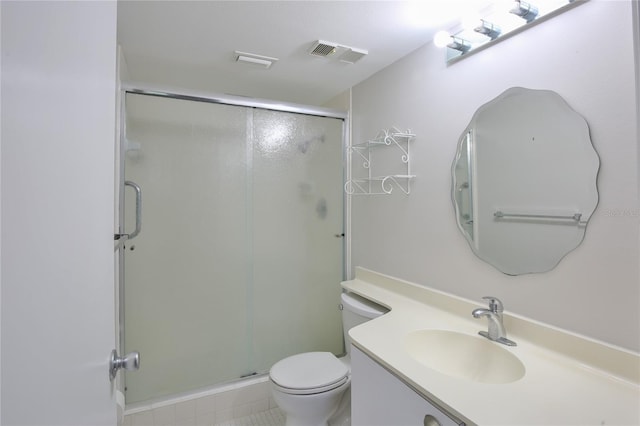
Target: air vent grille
[
  {"x": 323, "y": 48},
  {"x": 253, "y": 59},
  {"x": 346, "y": 54}
]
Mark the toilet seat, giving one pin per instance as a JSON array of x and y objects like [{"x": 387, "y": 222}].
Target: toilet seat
[
  {"x": 309, "y": 373},
  {"x": 311, "y": 391}
]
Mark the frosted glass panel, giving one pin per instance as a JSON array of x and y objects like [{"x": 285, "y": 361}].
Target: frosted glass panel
[
  {"x": 238, "y": 264},
  {"x": 186, "y": 274},
  {"x": 297, "y": 184}
]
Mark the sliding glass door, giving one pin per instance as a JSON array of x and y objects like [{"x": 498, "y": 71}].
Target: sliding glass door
[{"x": 240, "y": 255}]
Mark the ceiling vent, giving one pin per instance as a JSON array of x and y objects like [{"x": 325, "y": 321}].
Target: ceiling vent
[
  {"x": 253, "y": 59},
  {"x": 346, "y": 54},
  {"x": 352, "y": 55},
  {"x": 323, "y": 48}
]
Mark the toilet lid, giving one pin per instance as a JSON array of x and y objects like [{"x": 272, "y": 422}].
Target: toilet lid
[{"x": 310, "y": 370}]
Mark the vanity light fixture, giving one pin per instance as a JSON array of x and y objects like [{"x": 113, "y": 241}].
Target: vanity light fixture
[
  {"x": 443, "y": 38},
  {"x": 486, "y": 28},
  {"x": 459, "y": 44},
  {"x": 525, "y": 10},
  {"x": 497, "y": 23}
]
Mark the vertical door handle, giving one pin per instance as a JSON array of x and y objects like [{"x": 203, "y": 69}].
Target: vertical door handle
[
  {"x": 129, "y": 362},
  {"x": 138, "y": 227},
  {"x": 138, "y": 191}
]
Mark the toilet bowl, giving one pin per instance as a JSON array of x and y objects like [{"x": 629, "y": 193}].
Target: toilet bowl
[
  {"x": 312, "y": 388},
  {"x": 308, "y": 387}
]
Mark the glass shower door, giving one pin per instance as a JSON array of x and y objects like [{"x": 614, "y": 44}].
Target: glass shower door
[
  {"x": 297, "y": 235},
  {"x": 239, "y": 261},
  {"x": 186, "y": 274}
]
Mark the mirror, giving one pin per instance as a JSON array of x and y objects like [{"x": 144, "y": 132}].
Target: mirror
[{"x": 524, "y": 181}]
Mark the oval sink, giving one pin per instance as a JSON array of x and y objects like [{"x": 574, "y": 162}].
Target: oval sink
[{"x": 468, "y": 357}]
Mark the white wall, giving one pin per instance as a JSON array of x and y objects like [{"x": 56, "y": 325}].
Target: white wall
[
  {"x": 341, "y": 101},
  {"x": 0, "y": 219},
  {"x": 595, "y": 289},
  {"x": 58, "y": 125}
]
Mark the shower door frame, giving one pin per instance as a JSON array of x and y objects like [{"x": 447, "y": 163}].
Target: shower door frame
[{"x": 138, "y": 89}]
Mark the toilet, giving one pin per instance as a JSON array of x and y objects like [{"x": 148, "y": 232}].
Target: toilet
[{"x": 313, "y": 388}]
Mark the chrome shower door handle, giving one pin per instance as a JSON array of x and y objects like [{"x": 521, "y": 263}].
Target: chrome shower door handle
[
  {"x": 138, "y": 191},
  {"x": 129, "y": 362}
]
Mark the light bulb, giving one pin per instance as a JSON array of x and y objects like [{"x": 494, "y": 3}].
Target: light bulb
[{"x": 442, "y": 39}]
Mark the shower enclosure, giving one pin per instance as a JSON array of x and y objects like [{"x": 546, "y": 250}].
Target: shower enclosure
[{"x": 240, "y": 253}]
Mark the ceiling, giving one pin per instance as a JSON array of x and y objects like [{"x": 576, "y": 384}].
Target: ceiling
[{"x": 191, "y": 44}]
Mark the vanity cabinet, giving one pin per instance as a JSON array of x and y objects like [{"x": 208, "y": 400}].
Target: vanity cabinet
[{"x": 378, "y": 398}]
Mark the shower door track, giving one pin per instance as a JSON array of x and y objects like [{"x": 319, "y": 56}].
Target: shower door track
[{"x": 234, "y": 100}]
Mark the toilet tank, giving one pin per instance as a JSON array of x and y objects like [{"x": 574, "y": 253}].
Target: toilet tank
[{"x": 357, "y": 310}]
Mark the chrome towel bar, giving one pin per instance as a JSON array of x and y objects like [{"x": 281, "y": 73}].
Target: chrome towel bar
[{"x": 500, "y": 214}]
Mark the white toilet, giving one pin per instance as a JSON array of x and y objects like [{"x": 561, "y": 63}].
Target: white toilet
[{"x": 312, "y": 388}]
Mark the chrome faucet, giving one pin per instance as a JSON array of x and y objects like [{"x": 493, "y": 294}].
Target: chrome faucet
[{"x": 496, "y": 332}]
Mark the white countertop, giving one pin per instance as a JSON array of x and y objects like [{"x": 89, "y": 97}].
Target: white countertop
[{"x": 569, "y": 379}]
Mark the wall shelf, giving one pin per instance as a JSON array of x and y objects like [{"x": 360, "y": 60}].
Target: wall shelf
[{"x": 363, "y": 181}]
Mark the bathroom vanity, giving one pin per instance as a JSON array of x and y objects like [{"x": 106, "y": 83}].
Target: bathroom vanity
[
  {"x": 380, "y": 398},
  {"x": 424, "y": 363}
]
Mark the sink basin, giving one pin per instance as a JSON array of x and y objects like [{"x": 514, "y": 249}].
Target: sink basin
[{"x": 464, "y": 356}]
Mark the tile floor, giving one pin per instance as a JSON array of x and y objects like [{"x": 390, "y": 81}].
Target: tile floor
[{"x": 273, "y": 417}]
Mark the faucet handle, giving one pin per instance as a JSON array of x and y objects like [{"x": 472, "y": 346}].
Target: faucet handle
[{"x": 495, "y": 305}]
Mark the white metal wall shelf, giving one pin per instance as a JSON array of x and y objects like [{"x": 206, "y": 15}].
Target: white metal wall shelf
[{"x": 367, "y": 183}]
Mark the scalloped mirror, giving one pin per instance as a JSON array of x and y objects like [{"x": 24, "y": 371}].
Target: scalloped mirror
[{"x": 524, "y": 181}]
